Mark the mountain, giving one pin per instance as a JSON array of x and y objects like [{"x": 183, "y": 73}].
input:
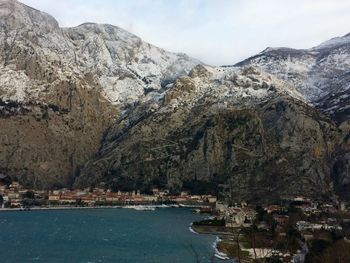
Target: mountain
[
  {"x": 219, "y": 130},
  {"x": 313, "y": 71},
  {"x": 321, "y": 74},
  {"x": 95, "y": 104},
  {"x": 303, "y": 129},
  {"x": 61, "y": 88}
]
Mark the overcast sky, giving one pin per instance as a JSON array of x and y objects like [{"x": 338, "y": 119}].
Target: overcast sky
[{"x": 215, "y": 31}]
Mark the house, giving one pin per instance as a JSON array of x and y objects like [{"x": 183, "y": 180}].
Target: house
[
  {"x": 184, "y": 193},
  {"x": 306, "y": 207},
  {"x": 221, "y": 207},
  {"x": 249, "y": 214},
  {"x": 273, "y": 209},
  {"x": 162, "y": 193},
  {"x": 87, "y": 199},
  {"x": 342, "y": 206},
  {"x": 244, "y": 204},
  {"x": 155, "y": 191},
  {"x": 195, "y": 197},
  {"x": 67, "y": 198},
  {"x": 13, "y": 195},
  {"x": 211, "y": 199},
  {"x": 150, "y": 198},
  {"x": 16, "y": 203},
  {"x": 15, "y": 185},
  {"x": 40, "y": 194},
  {"x": 281, "y": 220},
  {"x": 137, "y": 199},
  {"x": 236, "y": 217},
  {"x": 178, "y": 199},
  {"x": 112, "y": 197},
  {"x": 303, "y": 225},
  {"x": 53, "y": 197},
  {"x": 98, "y": 190}
]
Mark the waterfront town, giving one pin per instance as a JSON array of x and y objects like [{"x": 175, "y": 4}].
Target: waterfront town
[
  {"x": 15, "y": 196},
  {"x": 295, "y": 229},
  {"x": 288, "y": 230}
]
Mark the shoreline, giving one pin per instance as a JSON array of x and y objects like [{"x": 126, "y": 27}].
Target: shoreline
[
  {"x": 217, "y": 253},
  {"x": 52, "y": 208},
  {"x": 219, "y": 234},
  {"x": 135, "y": 207}
]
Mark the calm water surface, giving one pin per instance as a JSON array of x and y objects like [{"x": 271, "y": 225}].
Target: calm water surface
[{"x": 102, "y": 235}]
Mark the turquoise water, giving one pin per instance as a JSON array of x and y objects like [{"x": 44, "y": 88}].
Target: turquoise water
[{"x": 102, "y": 235}]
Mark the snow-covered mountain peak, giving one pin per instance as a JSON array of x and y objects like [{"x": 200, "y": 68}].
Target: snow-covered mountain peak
[
  {"x": 107, "y": 31},
  {"x": 312, "y": 71},
  {"x": 227, "y": 87},
  {"x": 125, "y": 67},
  {"x": 15, "y": 15},
  {"x": 334, "y": 43}
]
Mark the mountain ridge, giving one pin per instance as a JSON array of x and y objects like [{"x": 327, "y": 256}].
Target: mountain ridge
[
  {"x": 95, "y": 104},
  {"x": 61, "y": 88},
  {"x": 310, "y": 70}
]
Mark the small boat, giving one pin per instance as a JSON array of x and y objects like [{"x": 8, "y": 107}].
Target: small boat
[
  {"x": 140, "y": 207},
  {"x": 205, "y": 210},
  {"x": 144, "y": 208}
]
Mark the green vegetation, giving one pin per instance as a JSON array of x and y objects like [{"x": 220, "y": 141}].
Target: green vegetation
[
  {"x": 273, "y": 260},
  {"x": 210, "y": 226},
  {"x": 28, "y": 195},
  {"x": 252, "y": 237},
  {"x": 201, "y": 187},
  {"x": 263, "y": 216},
  {"x": 322, "y": 251},
  {"x": 210, "y": 222},
  {"x": 232, "y": 249}
]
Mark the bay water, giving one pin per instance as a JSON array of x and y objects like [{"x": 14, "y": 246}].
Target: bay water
[{"x": 103, "y": 235}]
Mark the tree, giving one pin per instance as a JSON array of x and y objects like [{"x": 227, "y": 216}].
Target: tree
[
  {"x": 233, "y": 189},
  {"x": 29, "y": 195},
  {"x": 238, "y": 246},
  {"x": 1, "y": 199}
]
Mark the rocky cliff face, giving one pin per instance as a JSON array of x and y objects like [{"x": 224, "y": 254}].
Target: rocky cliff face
[
  {"x": 321, "y": 75},
  {"x": 300, "y": 117},
  {"x": 61, "y": 89},
  {"x": 43, "y": 144},
  {"x": 239, "y": 132},
  {"x": 91, "y": 104}
]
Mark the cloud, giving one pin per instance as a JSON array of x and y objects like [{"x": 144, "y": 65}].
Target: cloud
[{"x": 215, "y": 31}]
